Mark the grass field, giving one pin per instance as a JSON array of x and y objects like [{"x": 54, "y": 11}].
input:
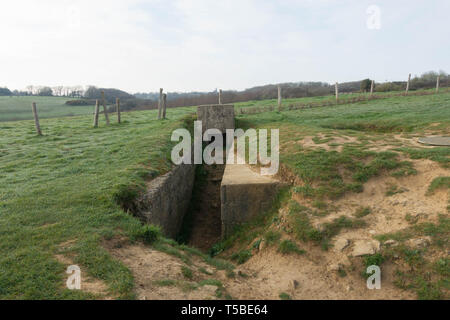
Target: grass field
[
  {"x": 57, "y": 191},
  {"x": 19, "y": 108},
  {"x": 60, "y": 187}
]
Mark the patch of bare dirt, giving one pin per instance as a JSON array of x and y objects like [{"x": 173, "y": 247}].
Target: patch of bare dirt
[
  {"x": 334, "y": 143},
  {"x": 88, "y": 283},
  {"x": 151, "y": 268},
  {"x": 315, "y": 275},
  {"x": 306, "y": 277}
]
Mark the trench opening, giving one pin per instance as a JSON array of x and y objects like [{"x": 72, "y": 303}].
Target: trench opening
[{"x": 202, "y": 224}]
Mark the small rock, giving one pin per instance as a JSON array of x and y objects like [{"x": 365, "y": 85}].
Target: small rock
[
  {"x": 293, "y": 284},
  {"x": 209, "y": 290},
  {"x": 262, "y": 245},
  {"x": 372, "y": 232},
  {"x": 420, "y": 242},
  {"x": 209, "y": 270},
  {"x": 349, "y": 288},
  {"x": 341, "y": 244},
  {"x": 365, "y": 247},
  {"x": 334, "y": 267},
  {"x": 390, "y": 243}
]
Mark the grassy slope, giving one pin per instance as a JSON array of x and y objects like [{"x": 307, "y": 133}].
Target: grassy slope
[
  {"x": 59, "y": 188},
  {"x": 325, "y": 175},
  {"x": 19, "y": 108}
]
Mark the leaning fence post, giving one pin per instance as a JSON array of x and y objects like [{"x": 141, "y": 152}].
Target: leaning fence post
[
  {"x": 160, "y": 102},
  {"x": 437, "y": 83},
  {"x": 96, "y": 111},
  {"x": 118, "y": 109},
  {"x": 164, "y": 106},
  {"x": 279, "y": 98},
  {"x": 36, "y": 119},
  {"x": 336, "y": 89},
  {"x": 407, "y": 84},
  {"x": 104, "y": 108},
  {"x": 220, "y": 96},
  {"x": 371, "y": 87}
]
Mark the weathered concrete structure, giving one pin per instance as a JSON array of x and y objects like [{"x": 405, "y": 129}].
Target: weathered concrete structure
[
  {"x": 220, "y": 116},
  {"x": 244, "y": 194},
  {"x": 167, "y": 199}
]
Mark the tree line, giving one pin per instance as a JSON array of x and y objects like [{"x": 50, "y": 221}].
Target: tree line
[{"x": 143, "y": 101}]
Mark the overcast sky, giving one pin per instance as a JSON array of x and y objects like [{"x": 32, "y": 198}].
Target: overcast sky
[{"x": 184, "y": 45}]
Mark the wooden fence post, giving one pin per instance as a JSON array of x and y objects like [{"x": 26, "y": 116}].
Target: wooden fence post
[
  {"x": 36, "y": 119},
  {"x": 407, "y": 84},
  {"x": 220, "y": 96},
  {"x": 164, "y": 105},
  {"x": 160, "y": 102},
  {"x": 96, "y": 112},
  {"x": 372, "y": 85},
  {"x": 337, "y": 92},
  {"x": 104, "y": 108},
  {"x": 118, "y": 109},
  {"x": 437, "y": 84},
  {"x": 279, "y": 98}
]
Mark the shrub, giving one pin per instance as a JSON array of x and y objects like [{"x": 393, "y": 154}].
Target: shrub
[{"x": 149, "y": 234}]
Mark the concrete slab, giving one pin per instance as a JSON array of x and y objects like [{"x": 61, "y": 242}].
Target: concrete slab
[
  {"x": 220, "y": 116},
  {"x": 245, "y": 194},
  {"x": 435, "y": 141}
]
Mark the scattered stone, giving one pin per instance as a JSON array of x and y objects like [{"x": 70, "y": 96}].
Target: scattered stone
[
  {"x": 420, "y": 242},
  {"x": 417, "y": 214},
  {"x": 349, "y": 288},
  {"x": 341, "y": 244},
  {"x": 372, "y": 232},
  {"x": 390, "y": 243},
  {"x": 365, "y": 247}
]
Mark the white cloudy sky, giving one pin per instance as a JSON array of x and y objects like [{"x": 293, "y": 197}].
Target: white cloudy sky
[{"x": 142, "y": 45}]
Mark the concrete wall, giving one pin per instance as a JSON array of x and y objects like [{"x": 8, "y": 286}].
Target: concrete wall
[
  {"x": 244, "y": 194},
  {"x": 166, "y": 199},
  {"x": 220, "y": 116}
]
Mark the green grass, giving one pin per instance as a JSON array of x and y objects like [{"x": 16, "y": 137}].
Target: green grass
[
  {"x": 19, "y": 108},
  {"x": 61, "y": 187},
  {"x": 187, "y": 272},
  {"x": 330, "y": 173},
  {"x": 285, "y": 296},
  {"x": 439, "y": 183},
  {"x": 362, "y": 212},
  {"x": 288, "y": 247},
  {"x": 242, "y": 256},
  {"x": 427, "y": 277},
  {"x": 272, "y": 237}
]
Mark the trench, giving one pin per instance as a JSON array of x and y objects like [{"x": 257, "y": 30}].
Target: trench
[{"x": 202, "y": 224}]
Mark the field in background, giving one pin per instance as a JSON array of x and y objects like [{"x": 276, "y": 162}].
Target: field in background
[{"x": 19, "y": 108}]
